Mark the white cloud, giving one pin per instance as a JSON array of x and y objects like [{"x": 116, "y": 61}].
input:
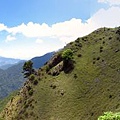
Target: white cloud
[
  {"x": 39, "y": 41},
  {"x": 31, "y": 30},
  {"x": 110, "y": 2},
  {"x": 2, "y": 27},
  {"x": 64, "y": 32},
  {"x": 10, "y": 38},
  {"x": 106, "y": 18},
  {"x": 1, "y": 51},
  {"x": 69, "y": 30}
]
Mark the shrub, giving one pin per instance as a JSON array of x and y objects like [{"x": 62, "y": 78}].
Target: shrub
[
  {"x": 75, "y": 76},
  {"x": 30, "y": 92},
  {"x": 67, "y": 57},
  {"x": 98, "y": 58},
  {"x": 110, "y": 38},
  {"x": 67, "y": 54},
  {"x": 31, "y": 77},
  {"x": 47, "y": 68},
  {"x": 79, "y": 55},
  {"x": 35, "y": 82},
  {"x": 110, "y": 116}
]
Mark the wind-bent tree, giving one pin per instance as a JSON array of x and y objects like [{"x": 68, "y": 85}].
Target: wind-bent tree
[{"x": 28, "y": 68}]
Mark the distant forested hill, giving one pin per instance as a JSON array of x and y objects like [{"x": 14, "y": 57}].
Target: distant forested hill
[
  {"x": 8, "y": 62},
  {"x": 40, "y": 61},
  {"x": 12, "y": 78}
]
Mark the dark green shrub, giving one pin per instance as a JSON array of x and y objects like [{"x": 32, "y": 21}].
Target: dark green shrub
[
  {"x": 30, "y": 92},
  {"x": 47, "y": 68},
  {"x": 98, "y": 58},
  {"x": 75, "y": 76},
  {"x": 29, "y": 88},
  {"x": 101, "y": 50},
  {"x": 79, "y": 55},
  {"x": 26, "y": 106},
  {"x": 31, "y": 77},
  {"x": 35, "y": 82},
  {"x": 110, "y": 38},
  {"x": 103, "y": 42}
]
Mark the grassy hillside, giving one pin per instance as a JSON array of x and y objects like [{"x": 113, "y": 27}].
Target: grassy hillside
[
  {"x": 4, "y": 101},
  {"x": 81, "y": 92}
]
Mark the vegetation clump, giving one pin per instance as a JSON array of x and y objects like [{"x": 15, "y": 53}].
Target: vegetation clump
[
  {"x": 31, "y": 77},
  {"x": 30, "y": 92},
  {"x": 28, "y": 68},
  {"x": 67, "y": 56},
  {"x": 110, "y": 116}
]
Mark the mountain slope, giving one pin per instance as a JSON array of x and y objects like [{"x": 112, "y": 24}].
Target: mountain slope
[
  {"x": 40, "y": 61},
  {"x": 83, "y": 93}
]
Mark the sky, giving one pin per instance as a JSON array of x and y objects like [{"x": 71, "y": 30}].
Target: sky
[{"x": 35, "y": 27}]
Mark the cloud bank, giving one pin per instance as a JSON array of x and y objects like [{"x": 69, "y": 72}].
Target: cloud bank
[
  {"x": 68, "y": 30},
  {"x": 110, "y": 2},
  {"x": 63, "y": 32},
  {"x": 10, "y": 38}
]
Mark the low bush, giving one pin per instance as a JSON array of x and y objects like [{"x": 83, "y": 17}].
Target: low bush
[
  {"x": 35, "y": 82},
  {"x": 30, "y": 92},
  {"x": 31, "y": 77},
  {"x": 110, "y": 116},
  {"x": 67, "y": 55}
]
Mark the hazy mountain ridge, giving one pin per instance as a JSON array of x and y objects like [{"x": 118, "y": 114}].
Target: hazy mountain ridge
[
  {"x": 12, "y": 78},
  {"x": 84, "y": 93},
  {"x": 41, "y": 60},
  {"x": 7, "y": 62}
]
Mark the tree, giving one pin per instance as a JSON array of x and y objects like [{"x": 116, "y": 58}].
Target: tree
[
  {"x": 28, "y": 68},
  {"x": 67, "y": 55}
]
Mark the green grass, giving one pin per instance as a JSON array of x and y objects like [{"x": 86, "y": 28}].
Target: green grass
[
  {"x": 4, "y": 101},
  {"x": 85, "y": 93}
]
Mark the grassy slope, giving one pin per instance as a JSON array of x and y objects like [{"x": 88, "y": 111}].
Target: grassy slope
[
  {"x": 94, "y": 90},
  {"x": 4, "y": 101}
]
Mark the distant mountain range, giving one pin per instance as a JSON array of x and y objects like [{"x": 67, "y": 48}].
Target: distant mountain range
[
  {"x": 11, "y": 77},
  {"x": 40, "y": 61},
  {"x": 7, "y": 62}
]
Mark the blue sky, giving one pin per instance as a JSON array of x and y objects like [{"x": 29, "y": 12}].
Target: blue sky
[
  {"x": 14, "y": 12},
  {"x": 35, "y": 27}
]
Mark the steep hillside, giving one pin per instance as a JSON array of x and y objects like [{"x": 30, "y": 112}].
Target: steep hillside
[{"x": 83, "y": 90}]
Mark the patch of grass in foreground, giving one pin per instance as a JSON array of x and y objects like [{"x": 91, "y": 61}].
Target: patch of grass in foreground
[{"x": 4, "y": 101}]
